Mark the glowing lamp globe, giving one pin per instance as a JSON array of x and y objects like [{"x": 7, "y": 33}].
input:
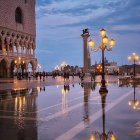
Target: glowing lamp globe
[
  {"x": 15, "y": 61},
  {"x": 112, "y": 43},
  {"x": 102, "y": 32},
  {"x": 105, "y": 40},
  {"x": 133, "y": 53},
  {"x": 129, "y": 58},
  {"x": 92, "y": 137},
  {"x": 136, "y": 57},
  {"x": 91, "y": 43},
  {"x": 112, "y": 137}
]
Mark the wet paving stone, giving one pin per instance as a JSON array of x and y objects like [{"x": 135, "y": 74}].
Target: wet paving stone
[{"x": 75, "y": 111}]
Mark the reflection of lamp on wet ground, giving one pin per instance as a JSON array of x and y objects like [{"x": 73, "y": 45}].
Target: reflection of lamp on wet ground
[
  {"x": 19, "y": 111},
  {"x": 103, "y": 135},
  {"x": 64, "y": 93},
  {"x": 102, "y": 46},
  {"x": 134, "y": 103}
]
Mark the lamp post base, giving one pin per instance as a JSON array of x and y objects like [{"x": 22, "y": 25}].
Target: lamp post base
[{"x": 103, "y": 87}]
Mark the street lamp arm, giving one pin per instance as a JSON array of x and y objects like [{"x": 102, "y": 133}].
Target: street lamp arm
[
  {"x": 111, "y": 135},
  {"x": 110, "y": 132},
  {"x": 108, "y": 49},
  {"x": 95, "y": 49},
  {"x": 96, "y": 133}
]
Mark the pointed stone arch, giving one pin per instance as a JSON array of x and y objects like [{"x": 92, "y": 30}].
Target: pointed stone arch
[
  {"x": 0, "y": 43},
  {"x": 5, "y": 59},
  {"x": 33, "y": 64},
  {"x": 13, "y": 68},
  {"x": 30, "y": 66}
]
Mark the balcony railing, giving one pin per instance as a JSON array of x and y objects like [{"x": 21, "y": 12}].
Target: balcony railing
[{"x": 15, "y": 54}]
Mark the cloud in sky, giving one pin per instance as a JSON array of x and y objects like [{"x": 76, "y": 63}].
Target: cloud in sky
[
  {"x": 136, "y": 27},
  {"x": 60, "y": 24}
]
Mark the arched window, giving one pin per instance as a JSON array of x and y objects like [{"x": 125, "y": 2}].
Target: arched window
[{"x": 18, "y": 15}]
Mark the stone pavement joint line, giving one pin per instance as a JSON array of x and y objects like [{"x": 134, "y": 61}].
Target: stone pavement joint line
[{"x": 80, "y": 127}]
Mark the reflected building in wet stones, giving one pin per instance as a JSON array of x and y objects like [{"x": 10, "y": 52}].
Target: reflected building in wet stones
[
  {"x": 20, "y": 107},
  {"x": 17, "y": 36}
]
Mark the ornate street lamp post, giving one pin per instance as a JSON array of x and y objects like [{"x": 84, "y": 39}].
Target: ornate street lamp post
[
  {"x": 102, "y": 46},
  {"x": 133, "y": 58},
  {"x": 18, "y": 62}
]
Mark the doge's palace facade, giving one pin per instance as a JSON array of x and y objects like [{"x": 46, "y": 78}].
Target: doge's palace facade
[{"x": 17, "y": 36}]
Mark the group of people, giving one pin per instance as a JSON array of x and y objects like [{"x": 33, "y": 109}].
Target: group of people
[
  {"x": 29, "y": 75},
  {"x": 82, "y": 75},
  {"x": 42, "y": 75}
]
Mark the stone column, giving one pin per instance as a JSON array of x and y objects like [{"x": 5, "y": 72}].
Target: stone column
[
  {"x": 8, "y": 43},
  {"x": 8, "y": 48},
  {"x": 13, "y": 43},
  {"x": 29, "y": 51},
  {"x": 3, "y": 46},
  {"x": 3, "y": 43},
  {"x": 33, "y": 46},
  {"x": 12, "y": 49},
  {"x": 27, "y": 46},
  {"x": 86, "y": 55},
  {"x": 26, "y": 51},
  {"x": 8, "y": 70},
  {"x": 17, "y": 47},
  {"x": 34, "y": 70},
  {"x": 33, "y": 52},
  {"x": 21, "y": 50}
]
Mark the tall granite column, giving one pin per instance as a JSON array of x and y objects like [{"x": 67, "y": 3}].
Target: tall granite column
[{"x": 86, "y": 55}]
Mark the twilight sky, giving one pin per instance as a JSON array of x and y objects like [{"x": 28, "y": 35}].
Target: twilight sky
[{"x": 60, "y": 22}]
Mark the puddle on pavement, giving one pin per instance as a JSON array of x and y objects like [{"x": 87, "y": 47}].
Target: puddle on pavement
[{"x": 38, "y": 113}]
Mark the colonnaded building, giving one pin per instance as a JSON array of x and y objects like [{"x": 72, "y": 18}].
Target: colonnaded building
[{"x": 17, "y": 36}]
